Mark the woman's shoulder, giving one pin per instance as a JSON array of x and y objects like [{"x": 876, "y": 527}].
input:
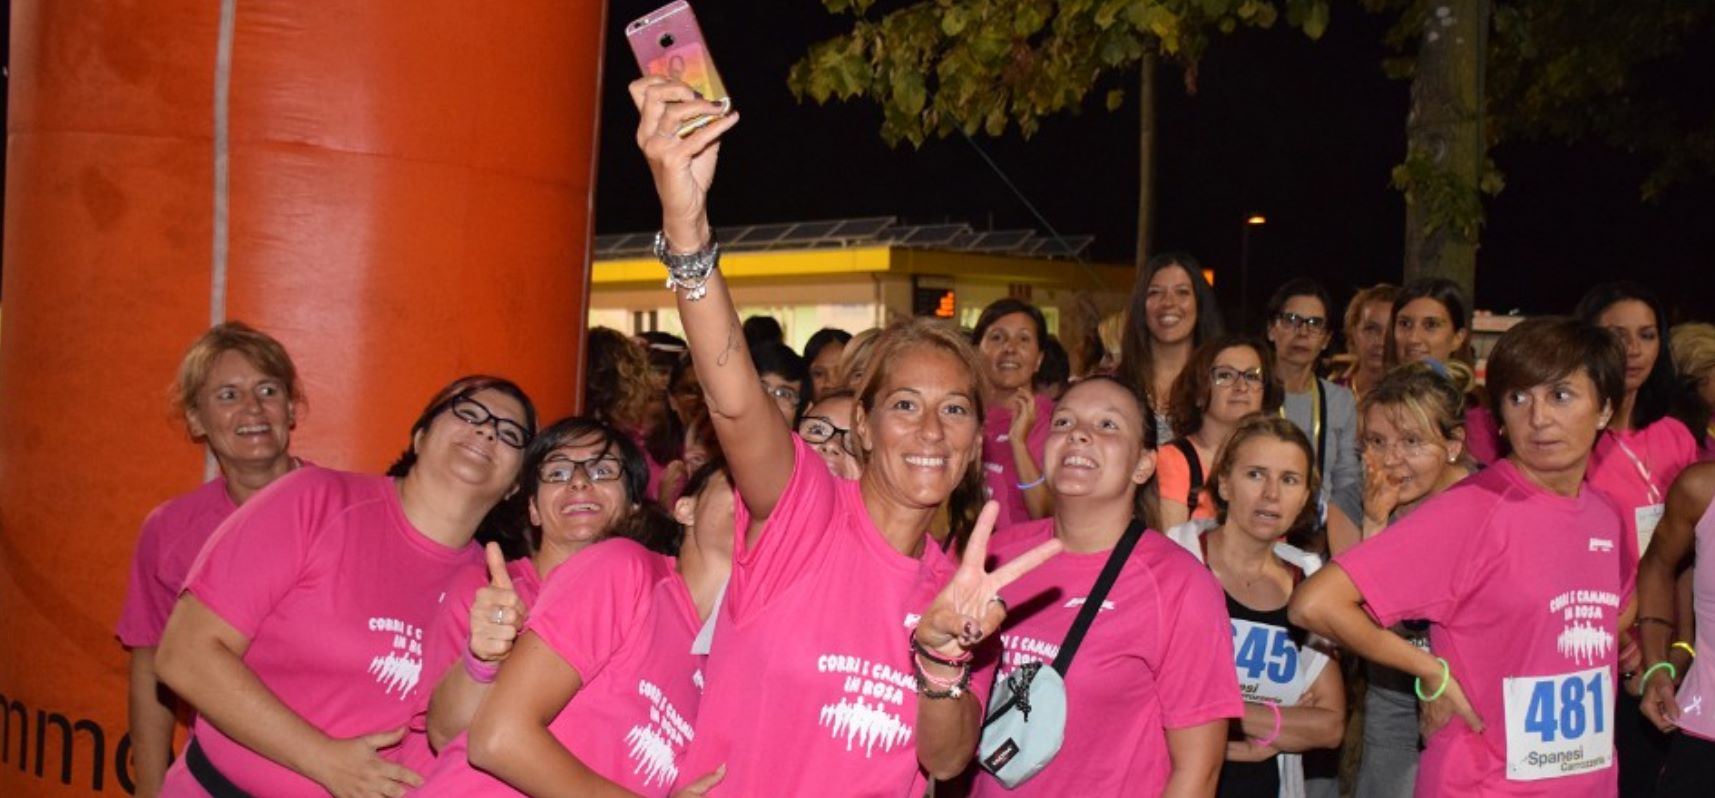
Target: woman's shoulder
[
  {"x": 1011, "y": 541},
  {"x": 1189, "y": 535}
]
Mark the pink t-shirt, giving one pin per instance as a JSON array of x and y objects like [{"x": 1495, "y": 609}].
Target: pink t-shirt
[
  {"x": 1482, "y": 435},
  {"x": 810, "y": 685},
  {"x": 622, "y": 618},
  {"x": 1697, "y": 693},
  {"x": 655, "y": 469},
  {"x": 1147, "y": 664},
  {"x": 1523, "y": 589},
  {"x": 448, "y": 639},
  {"x": 1662, "y": 449},
  {"x": 1000, "y": 468},
  {"x": 172, "y": 535},
  {"x": 334, "y": 588}
]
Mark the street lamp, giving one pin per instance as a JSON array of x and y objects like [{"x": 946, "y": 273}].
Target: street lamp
[{"x": 1253, "y": 220}]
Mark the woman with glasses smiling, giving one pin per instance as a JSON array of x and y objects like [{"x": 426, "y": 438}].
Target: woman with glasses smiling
[
  {"x": 1228, "y": 378},
  {"x": 601, "y": 691},
  {"x": 582, "y": 482},
  {"x": 299, "y": 634},
  {"x": 827, "y": 426},
  {"x": 1300, "y": 328}
]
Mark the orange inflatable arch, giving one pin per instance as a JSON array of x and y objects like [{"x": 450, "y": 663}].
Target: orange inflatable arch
[{"x": 399, "y": 190}]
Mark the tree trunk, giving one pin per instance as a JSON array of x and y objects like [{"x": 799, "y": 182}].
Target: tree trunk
[
  {"x": 1146, "y": 158},
  {"x": 1445, "y": 127}
]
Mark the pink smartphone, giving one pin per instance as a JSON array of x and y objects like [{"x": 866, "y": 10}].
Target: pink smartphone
[{"x": 668, "y": 42}]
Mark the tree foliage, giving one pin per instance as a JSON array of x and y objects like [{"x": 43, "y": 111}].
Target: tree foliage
[
  {"x": 1584, "y": 71},
  {"x": 940, "y": 66}
]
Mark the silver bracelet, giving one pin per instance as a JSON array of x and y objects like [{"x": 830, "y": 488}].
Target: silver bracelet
[{"x": 689, "y": 271}]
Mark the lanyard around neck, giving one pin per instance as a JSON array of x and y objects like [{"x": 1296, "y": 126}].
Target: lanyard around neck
[
  {"x": 1643, "y": 470},
  {"x": 1316, "y": 404}
]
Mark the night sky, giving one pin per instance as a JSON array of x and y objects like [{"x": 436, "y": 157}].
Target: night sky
[{"x": 1303, "y": 132}]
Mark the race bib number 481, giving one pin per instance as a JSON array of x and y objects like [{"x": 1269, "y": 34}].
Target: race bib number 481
[{"x": 1559, "y": 726}]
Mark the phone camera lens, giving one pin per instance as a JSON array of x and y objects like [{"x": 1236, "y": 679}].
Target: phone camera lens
[{"x": 666, "y": 40}]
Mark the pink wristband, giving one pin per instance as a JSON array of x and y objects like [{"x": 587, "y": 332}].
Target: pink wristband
[
  {"x": 1275, "y": 735},
  {"x": 480, "y": 672}
]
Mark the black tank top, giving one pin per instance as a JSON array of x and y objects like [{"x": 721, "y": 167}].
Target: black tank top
[{"x": 1254, "y": 779}]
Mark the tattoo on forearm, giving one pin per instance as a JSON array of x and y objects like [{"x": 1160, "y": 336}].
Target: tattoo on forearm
[{"x": 734, "y": 335}]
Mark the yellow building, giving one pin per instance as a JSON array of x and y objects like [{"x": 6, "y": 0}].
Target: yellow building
[{"x": 854, "y": 274}]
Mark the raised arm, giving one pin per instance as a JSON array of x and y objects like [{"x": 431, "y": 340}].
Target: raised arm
[{"x": 757, "y": 444}]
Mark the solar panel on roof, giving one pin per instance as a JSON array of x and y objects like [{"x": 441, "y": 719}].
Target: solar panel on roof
[
  {"x": 1000, "y": 240},
  {"x": 827, "y": 233},
  {"x": 811, "y": 231},
  {"x": 1068, "y": 247},
  {"x": 865, "y": 228},
  {"x": 932, "y": 235}
]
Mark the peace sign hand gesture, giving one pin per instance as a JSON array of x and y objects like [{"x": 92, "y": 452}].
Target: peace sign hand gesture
[{"x": 969, "y": 608}]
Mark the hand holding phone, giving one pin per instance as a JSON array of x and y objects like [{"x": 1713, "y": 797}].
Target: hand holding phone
[{"x": 668, "y": 42}]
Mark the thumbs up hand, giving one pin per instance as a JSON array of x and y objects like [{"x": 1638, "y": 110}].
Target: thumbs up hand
[{"x": 497, "y": 614}]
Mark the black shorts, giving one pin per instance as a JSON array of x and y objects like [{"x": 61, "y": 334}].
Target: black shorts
[{"x": 1689, "y": 769}]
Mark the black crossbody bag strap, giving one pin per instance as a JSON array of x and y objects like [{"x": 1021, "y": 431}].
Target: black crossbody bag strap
[
  {"x": 1098, "y": 594},
  {"x": 1195, "y": 464}
]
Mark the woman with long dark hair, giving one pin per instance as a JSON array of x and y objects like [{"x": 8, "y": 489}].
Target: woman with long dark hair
[
  {"x": 1432, "y": 321},
  {"x": 1634, "y": 464},
  {"x": 1172, "y": 311}
]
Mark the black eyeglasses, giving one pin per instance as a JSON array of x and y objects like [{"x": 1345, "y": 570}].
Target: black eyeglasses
[
  {"x": 820, "y": 429},
  {"x": 1227, "y": 375},
  {"x": 1293, "y": 321},
  {"x": 477, "y": 414},
  {"x": 600, "y": 469},
  {"x": 784, "y": 393}
]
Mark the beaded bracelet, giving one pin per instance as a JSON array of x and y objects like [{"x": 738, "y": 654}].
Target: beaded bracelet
[
  {"x": 480, "y": 672},
  {"x": 1417, "y": 684},
  {"x": 688, "y": 271},
  {"x": 1672, "y": 672},
  {"x": 1685, "y": 647},
  {"x": 917, "y": 647},
  {"x": 1265, "y": 742},
  {"x": 931, "y": 686},
  {"x": 1029, "y": 485}
]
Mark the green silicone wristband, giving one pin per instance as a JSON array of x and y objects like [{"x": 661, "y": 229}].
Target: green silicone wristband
[
  {"x": 1417, "y": 684},
  {"x": 1672, "y": 672}
]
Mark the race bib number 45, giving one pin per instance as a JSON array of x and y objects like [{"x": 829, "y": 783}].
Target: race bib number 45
[
  {"x": 1559, "y": 726},
  {"x": 1271, "y": 667}
]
